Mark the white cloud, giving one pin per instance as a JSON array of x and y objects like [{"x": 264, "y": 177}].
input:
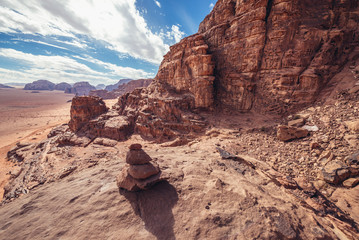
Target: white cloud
[
  {"x": 176, "y": 34},
  {"x": 61, "y": 69},
  {"x": 39, "y": 42},
  {"x": 211, "y": 5},
  {"x": 158, "y": 3},
  {"x": 117, "y": 23}
]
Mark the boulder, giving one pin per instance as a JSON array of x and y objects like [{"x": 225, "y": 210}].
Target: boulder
[
  {"x": 286, "y": 133},
  {"x": 296, "y": 123}
]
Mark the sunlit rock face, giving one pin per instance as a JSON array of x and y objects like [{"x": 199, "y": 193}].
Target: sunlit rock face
[
  {"x": 274, "y": 54},
  {"x": 189, "y": 67}
]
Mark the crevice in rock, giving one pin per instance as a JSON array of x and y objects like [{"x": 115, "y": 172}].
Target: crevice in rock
[{"x": 268, "y": 11}]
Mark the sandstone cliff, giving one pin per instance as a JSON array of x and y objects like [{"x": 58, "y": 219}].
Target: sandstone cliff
[{"x": 267, "y": 54}]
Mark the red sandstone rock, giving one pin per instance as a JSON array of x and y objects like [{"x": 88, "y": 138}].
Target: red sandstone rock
[
  {"x": 83, "y": 109},
  {"x": 135, "y": 157},
  {"x": 143, "y": 171},
  {"x": 286, "y": 133},
  {"x": 135, "y": 146},
  {"x": 267, "y": 54},
  {"x": 189, "y": 67}
]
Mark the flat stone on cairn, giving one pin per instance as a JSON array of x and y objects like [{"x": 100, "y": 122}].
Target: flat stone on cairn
[{"x": 139, "y": 173}]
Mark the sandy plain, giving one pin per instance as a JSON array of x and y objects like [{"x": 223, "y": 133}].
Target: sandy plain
[{"x": 28, "y": 116}]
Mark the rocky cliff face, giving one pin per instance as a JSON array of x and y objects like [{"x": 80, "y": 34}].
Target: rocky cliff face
[
  {"x": 268, "y": 54},
  {"x": 188, "y": 67}
]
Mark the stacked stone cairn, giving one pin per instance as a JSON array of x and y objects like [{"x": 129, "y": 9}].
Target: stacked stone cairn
[{"x": 139, "y": 173}]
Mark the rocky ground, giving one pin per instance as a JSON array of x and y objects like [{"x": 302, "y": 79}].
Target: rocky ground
[{"x": 236, "y": 181}]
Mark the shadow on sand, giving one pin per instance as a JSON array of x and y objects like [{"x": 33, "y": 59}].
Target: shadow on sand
[{"x": 154, "y": 206}]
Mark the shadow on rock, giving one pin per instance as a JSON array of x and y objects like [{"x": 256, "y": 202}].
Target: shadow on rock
[{"x": 154, "y": 206}]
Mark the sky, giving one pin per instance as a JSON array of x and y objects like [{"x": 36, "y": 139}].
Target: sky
[{"x": 99, "y": 41}]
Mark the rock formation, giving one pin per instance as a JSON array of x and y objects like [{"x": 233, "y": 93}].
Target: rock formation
[
  {"x": 80, "y": 89},
  {"x": 40, "y": 85},
  {"x": 115, "y": 86},
  {"x": 121, "y": 89},
  {"x": 83, "y": 109},
  {"x": 139, "y": 173},
  {"x": 189, "y": 67},
  {"x": 62, "y": 86},
  {"x": 269, "y": 56},
  {"x": 273, "y": 53}
]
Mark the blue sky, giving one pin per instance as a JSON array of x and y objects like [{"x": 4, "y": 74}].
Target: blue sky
[{"x": 99, "y": 41}]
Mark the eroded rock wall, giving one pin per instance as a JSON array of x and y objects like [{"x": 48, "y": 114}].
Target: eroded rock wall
[
  {"x": 188, "y": 67},
  {"x": 268, "y": 54}
]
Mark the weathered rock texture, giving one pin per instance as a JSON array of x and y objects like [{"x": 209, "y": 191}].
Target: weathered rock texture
[
  {"x": 80, "y": 88},
  {"x": 122, "y": 89},
  {"x": 84, "y": 109},
  {"x": 40, "y": 85},
  {"x": 268, "y": 54},
  {"x": 158, "y": 112},
  {"x": 188, "y": 67}
]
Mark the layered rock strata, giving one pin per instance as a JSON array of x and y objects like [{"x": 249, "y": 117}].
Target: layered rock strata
[
  {"x": 267, "y": 54},
  {"x": 189, "y": 67},
  {"x": 139, "y": 173}
]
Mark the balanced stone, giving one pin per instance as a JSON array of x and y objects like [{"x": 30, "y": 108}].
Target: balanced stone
[
  {"x": 135, "y": 157},
  {"x": 126, "y": 181},
  {"x": 143, "y": 171},
  {"x": 135, "y": 146}
]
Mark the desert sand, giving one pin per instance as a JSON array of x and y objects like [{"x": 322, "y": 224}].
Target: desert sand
[{"x": 28, "y": 116}]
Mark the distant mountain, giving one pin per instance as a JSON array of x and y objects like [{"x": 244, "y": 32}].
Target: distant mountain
[
  {"x": 40, "y": 85},
  {"x": 115, "y": 86},
  {"x": 4, "y": 86},
  {"x": 122, "y": 89},
  {"x": 80, "y": 88},
  {"x": 15, "y": 84},
  {"x": 100, "y": 86},
  {"x": 62, "y": 86}
]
